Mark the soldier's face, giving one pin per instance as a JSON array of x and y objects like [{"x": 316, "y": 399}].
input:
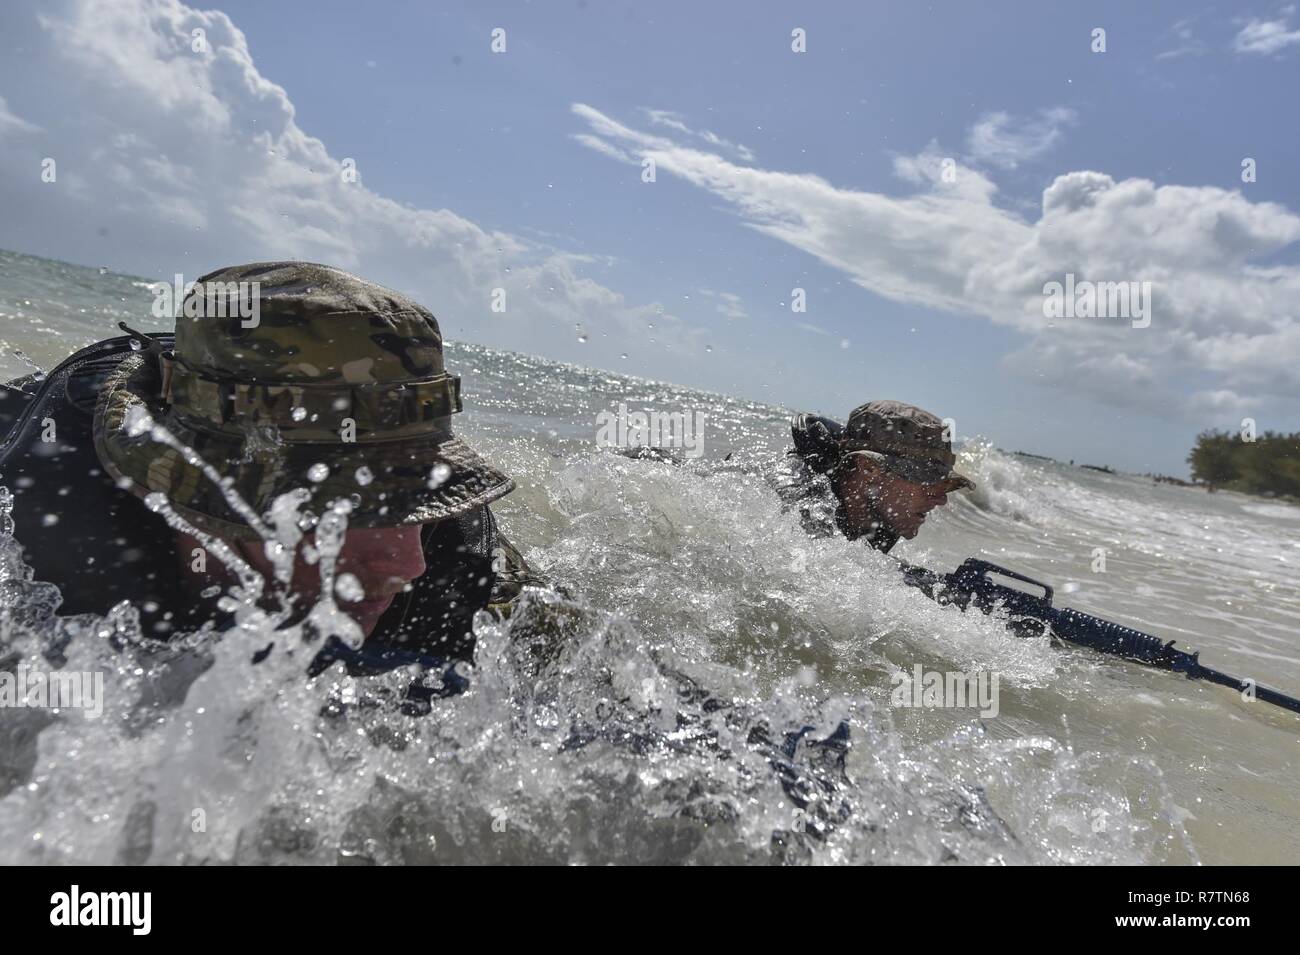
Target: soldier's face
[
  {"x": 383, "y": 559},
  {"x": 872, "y": 494}
]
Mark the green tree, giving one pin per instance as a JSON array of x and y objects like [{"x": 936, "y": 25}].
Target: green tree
[
  {"x": 1212, "y": 459},
  {"x": 1268, "y": 465}
]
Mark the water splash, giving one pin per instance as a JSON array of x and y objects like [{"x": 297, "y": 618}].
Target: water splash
[
  {"x": 38, "y": 373},
  {"x": 656, "y": 713},
  {"x": 581, "y": 739}
]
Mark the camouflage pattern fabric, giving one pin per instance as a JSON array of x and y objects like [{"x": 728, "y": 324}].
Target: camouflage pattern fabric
[
  {"x": 311, "y": 412},
  {"x": 905, "y": 439},
  {"x": 336, "y": 385}
]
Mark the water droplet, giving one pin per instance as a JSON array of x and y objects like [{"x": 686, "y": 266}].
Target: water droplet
[
  {"x": 38, "y": 374},
  {"x": 364, "y": 475},
  {"x": 137, "y": 421},
  {"x": 298, "y": 414},
  {"x": 349, "y": 588},
  {"x": 318, "y": 472},
  {"x": 438, "y": 476}
]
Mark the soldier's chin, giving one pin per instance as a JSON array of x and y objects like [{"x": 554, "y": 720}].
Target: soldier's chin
[
  {"x": 366, "y": 613},
  {"x": 911, "y": 530}
]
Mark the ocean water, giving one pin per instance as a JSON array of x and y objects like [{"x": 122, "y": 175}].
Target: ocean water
[{"x": 710, "y": 646}]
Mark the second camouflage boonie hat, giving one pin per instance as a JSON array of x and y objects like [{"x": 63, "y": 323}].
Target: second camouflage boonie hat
[
  {"x": 905, "y": 440},
  {"x": 339, "y": 388}
]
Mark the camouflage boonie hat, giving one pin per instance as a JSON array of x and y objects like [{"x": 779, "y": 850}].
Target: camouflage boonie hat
[
  {"x": 339, "y": 388},
  {"x": 905, "y": 440}
]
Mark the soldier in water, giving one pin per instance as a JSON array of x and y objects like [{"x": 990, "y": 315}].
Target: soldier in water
[
  {"x": 875, "y": 478},
  {"x": 145, "y": 469}
]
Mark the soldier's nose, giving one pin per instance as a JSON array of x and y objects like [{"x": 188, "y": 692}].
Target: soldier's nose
[{"x": 382, "y": 557}]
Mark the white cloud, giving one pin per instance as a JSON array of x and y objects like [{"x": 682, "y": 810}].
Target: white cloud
[
  {"x": 729, "y": 304},
  {"x": 1217, "y": 313},
  {"x": 605, "y": 147},
  {"x": 671, "y": 120},
  {"x": 1221, "y": 403},
  {"x": 191, "y": 161},
  {"x": 1001, "y": 140},
  {"x": 1266, "y": 36},
  {"x": 1185, "y": 41},
  {"x": 11, "y": 124}
]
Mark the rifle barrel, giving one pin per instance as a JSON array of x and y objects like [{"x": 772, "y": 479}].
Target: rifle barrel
[
  {"x": 970, "y": 583},
  {"x": 1246, "y": 686}
]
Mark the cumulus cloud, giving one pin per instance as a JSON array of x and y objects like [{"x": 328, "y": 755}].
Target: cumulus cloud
[
  {"x": 998, "y": 139},
  {"x": 172, "y": 160},
  {"x": 1217, "y": 311}
]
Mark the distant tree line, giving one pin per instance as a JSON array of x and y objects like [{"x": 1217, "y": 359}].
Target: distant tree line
[{"x": 1268, "y": 465}]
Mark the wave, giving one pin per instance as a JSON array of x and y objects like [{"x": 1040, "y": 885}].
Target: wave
[{"x": 587, "y": 735}]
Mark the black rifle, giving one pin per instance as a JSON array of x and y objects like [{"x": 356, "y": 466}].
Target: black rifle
[{"x": 1032, "y": 615}]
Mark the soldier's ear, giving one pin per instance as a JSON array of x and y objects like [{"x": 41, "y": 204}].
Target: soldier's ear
[
  {"x": 866, "y": 468},
  {"x": 854, "y": 474}
]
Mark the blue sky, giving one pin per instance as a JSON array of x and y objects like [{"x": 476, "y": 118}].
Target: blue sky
[{"x": 775, "y": 170}]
